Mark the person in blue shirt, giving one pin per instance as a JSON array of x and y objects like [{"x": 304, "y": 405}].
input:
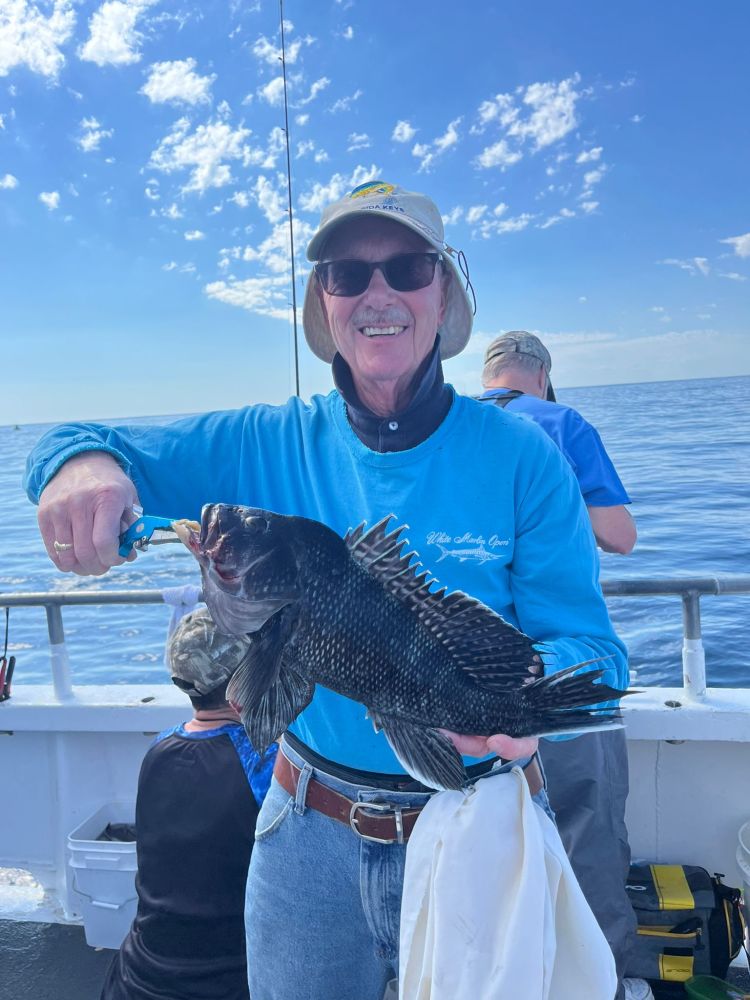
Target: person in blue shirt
[
  {"x": 385, "y": 303},
  {"x": 518, "y": 363},
  {"x": 200, "y": 787},
  {"x": 587, "y": 777}
]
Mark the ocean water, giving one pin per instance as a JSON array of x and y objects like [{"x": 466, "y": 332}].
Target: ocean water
[{"x": 682, "y": 450}]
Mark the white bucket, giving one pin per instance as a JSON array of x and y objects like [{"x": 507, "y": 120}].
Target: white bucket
[
  {"x": 743, "y": 862},
  {"x": 103, "y": 876}
]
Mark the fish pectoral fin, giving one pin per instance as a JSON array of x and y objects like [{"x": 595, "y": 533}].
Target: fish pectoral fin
[
  {"x": 278, "y": 708},
  {"x": 269, "y": 692},
  {"x": 425, "y": 753}
]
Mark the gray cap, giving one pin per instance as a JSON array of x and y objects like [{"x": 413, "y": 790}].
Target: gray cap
[
  {"x": 199, "y": 657},
  {"x": 519, "y": 342},
  {"x": 418, "y": 213}
]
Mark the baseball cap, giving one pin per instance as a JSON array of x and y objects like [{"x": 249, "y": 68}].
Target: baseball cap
[
  {"x": 199, "y": 657},
  {"x": 418, "y": 213},
  {"x": 522, "y": 342}
]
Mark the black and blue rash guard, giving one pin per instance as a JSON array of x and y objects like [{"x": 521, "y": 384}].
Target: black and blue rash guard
[{"x": 198, "y": 800}]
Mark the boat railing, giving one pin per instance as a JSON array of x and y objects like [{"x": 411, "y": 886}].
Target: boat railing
[{"x": 688, "y": 589}]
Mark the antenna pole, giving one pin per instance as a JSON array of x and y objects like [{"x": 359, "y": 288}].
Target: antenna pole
[{"x": 289, "y": 194}]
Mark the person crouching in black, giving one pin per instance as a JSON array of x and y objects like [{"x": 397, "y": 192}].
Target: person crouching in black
[{"x": 200, "y": 787}]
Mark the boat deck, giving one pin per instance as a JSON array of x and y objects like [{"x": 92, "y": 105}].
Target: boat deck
[
  {"x": 49, "y": 962},
  {"x": 53, "y": 962}
]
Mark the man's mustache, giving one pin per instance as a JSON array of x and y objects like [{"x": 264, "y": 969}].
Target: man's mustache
[{"x": 392, "y": 316}]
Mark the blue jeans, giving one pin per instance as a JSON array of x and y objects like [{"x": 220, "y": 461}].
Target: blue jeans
[{"x": 323, "y": 905}]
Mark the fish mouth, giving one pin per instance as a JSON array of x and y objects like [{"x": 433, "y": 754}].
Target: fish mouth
[
  {"x": 189, "y": 534},
  {"x": 228, "y": 576}
]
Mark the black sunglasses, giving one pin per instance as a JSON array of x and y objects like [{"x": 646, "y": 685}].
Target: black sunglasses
[{"x": 406, "y": 272}]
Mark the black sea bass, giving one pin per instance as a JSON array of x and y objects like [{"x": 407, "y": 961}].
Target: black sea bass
[{"x": 359, "y": 616}]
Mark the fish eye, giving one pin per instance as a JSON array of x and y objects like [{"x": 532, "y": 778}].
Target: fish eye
[{"x": 255, "y": 523}]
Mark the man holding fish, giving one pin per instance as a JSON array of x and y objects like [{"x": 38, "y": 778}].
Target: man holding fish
[{"x": 385, "y": 303}]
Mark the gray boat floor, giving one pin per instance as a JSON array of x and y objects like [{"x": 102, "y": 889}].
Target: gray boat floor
[
  {"x": 53, "y": 962},
  {"x": 49, "y": 962}
]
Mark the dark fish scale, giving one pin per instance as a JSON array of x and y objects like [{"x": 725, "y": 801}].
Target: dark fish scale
[{"x": 360, "y": 616}]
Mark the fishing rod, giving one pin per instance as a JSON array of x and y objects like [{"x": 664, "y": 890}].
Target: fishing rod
[{"x": 289, "y": 194}]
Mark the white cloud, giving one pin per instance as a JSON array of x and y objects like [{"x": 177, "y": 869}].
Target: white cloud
[
  {"x": 302, "y": 119},
  {"x": 403, "y": 131},
  {"x": 29, "y": 38},
  {"x": 344, "y": 103},
  {"x": 266, "y": 296},
  {"x": 338, "y": 185},
  {"x": 693, "y": 266},
  {"x": 202, "y": 152},
  {"x": 427, "y": 153},
  {"x": 590, "y": 155},
  {"x": 661, "y": 312},
  {"x": 151, "y": 191},
  {"x": 267, "y": 52},
  {"x": 113, "y": 38},
  {"x": 564, "y": 213},
  {"x": 321, "y": 156},
  {"x": 592, "y": 177},
  {"x": 637, "y": 119},
  {"x": 455, "y": 215},
  {"x": 305, "y": 147},
  {"x": 553, "y": 115},
  {"x": 8, "y": 182},
  {"x": 475, "y": 213},
  {"x": 240, "y": 198},
  {"x": 194, "y": 234},
  {"x": 498, "y": 226},
  {"x": 358, "y": 140},
  {"x": 498, "y": 155},
  {"x": 275, "y": 145},
  {"x": 172, "y": 212},
  {"x": 273, "y": 92},
  {"x": 348, "y": 33},
  {"x": 733, "y": 276},
  {"x": 589, "y": 206},
  {"x": 271, "y": 200},
  {"x": 741, "y": 244},
  {"x": 545, "y": 115},
  {"x": 91, "y": 135},
  {"x": 50, "y": 199},
  {"x": 188, "y": 268},
  {"x": 315, "y": 89},
  {"x": 499, "y": 109},
  {"x": 274, "y": 253},
  {"x": 177, "y": 82}
]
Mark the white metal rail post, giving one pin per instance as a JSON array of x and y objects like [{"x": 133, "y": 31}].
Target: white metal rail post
[{"x": 690, "y": 590}]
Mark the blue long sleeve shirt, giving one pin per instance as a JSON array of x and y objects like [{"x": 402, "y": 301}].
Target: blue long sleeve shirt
[{"x": 492, "y": 506}]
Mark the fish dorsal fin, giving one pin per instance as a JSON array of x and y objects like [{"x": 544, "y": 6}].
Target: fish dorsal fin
[{"x": 489, "y": 649}]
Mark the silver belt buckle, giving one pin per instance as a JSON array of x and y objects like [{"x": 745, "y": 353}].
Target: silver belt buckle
[{"x": 381, "y": 807}]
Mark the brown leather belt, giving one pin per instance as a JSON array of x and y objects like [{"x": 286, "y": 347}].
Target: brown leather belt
[{"x": 384, "y": 822}]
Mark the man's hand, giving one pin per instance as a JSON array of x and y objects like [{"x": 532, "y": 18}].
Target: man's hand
[
  {"x": 86, "y": 505},
  {"x": 502, "y": 746}
]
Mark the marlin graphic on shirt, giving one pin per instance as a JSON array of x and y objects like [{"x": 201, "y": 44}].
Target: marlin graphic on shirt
[{"x": 479, "y": 554}]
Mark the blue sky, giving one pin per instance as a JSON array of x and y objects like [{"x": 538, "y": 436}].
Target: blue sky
[{"x": 590, "y": 159}]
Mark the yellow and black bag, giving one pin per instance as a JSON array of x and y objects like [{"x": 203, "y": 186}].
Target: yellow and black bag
[{"x": 689, "y": 924}]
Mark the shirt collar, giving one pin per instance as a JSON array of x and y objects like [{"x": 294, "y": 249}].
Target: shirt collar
[{"x": 406, "y": 429}]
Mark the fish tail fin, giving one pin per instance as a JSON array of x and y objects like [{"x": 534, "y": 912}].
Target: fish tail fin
[{"x": 568, "y": 702}]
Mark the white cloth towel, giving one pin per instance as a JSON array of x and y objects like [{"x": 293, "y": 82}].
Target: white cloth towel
[{"x": 491, "y": 909}]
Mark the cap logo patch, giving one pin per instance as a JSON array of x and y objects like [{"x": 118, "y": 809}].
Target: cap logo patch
[{"x": 371, "y": 188}]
